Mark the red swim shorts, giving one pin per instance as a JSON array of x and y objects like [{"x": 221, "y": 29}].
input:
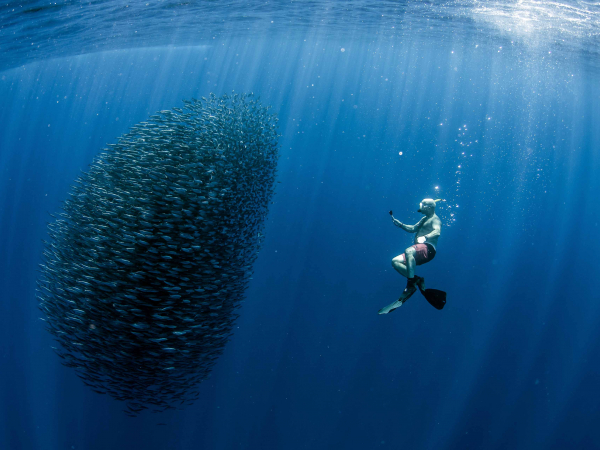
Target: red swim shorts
[{"x": 423, "y": 253}]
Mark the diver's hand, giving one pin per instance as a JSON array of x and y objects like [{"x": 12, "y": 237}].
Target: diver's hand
[{"x": 421, "y": 239}]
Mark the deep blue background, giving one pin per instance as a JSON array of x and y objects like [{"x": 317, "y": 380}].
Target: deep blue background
[{"x": 509, "y": 363}]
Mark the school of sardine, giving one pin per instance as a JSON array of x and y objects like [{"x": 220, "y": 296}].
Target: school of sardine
[{"x": 152, "y": 252}]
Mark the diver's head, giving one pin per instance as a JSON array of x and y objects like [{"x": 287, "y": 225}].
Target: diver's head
[{"x": 427, "y": 206}]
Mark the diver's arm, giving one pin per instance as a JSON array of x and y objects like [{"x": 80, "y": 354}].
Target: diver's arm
[{"x": 408, "y": 228}]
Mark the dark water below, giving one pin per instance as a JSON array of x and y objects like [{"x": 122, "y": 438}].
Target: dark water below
[{"x": 491, "y": 106}]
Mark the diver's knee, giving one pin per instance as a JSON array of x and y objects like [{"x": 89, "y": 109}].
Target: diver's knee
[
  {"x": 397, "y": 260},
  {"x": 410, "y": 251}
]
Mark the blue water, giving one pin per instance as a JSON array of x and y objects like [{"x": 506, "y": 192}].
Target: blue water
[{"x": 494, "y": 108}]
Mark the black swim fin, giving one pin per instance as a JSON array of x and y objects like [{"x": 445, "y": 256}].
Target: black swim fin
[{"x": 435, "y": 297}]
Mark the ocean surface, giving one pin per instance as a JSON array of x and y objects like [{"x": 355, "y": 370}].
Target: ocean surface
[{"x": 492, "y": 106}]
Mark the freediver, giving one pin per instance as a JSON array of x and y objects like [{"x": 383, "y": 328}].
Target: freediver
[{"x": 423, "y": 250}]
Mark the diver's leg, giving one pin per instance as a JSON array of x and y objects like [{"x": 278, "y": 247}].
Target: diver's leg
[
  {"x": 420, "y": 282},
  {"x": 411, "y": 280},
  {"x": 399, "y": 263},
  {"x": 410, "y": 262}
]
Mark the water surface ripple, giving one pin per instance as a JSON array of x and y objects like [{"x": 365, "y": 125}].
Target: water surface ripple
[{"x": 39, "y": 29}]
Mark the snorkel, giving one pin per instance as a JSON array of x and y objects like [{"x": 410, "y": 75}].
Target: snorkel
[{"x": 428, "y": 203}]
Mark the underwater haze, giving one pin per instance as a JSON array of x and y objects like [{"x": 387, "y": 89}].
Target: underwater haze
[{"x": 493, "y": 107}]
